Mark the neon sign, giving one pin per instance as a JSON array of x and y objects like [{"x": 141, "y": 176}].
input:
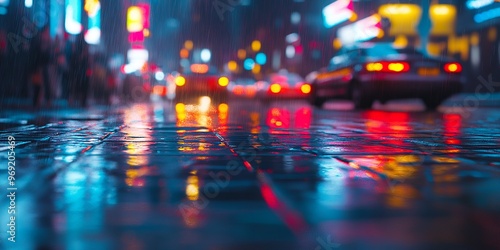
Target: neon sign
[
  {"x": 3, "y": 6},
  {"x": 146, "y": 9},
  {"x": 487, "y": 15},
  {"x": 93, "y": 8},
  {"x": 362, "y": 30},
  {"x": 73, "y": 23},
  {"x": 338, "y": 12},
  {"x": 135, "y": 19},
  {"x": 476, "y": 4}
]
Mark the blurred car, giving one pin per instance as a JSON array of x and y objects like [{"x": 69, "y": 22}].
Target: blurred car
[
  {"x": 380, "y": 71},
  {"x": 283, "y": 85},
  {"x": 159, "y": 84},
  {"x": 243, "y": 87},
  {"x": 201, "y": 80},
  {"x": 134, "y": 89}
]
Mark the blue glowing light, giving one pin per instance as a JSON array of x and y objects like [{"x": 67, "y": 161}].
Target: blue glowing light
[
  {"x": 261, "y": 58},
  {"x": 3, "y": 6},
  {"x": 249, "y": 64},
  {"x": 487, "y": 15}
]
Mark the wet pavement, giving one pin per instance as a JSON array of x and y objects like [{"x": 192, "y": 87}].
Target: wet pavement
[{"x": 245, "y": 175}]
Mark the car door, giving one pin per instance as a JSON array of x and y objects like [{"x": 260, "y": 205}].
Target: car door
[
  {"x": 332, "y": 81},
  {"x": 346, "y": 72},
  {"x": 325, "y": 78}
]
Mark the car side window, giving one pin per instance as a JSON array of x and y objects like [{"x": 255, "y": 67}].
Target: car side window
[
  {"x": 353, "y": 54},
  {"x": 338, "y": 60}
]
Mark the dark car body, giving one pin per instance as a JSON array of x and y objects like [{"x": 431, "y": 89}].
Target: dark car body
[{"x": 379, "y": 71}]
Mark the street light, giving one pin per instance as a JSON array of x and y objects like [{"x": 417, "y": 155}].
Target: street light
[
  {"x": 188, "y": 45},
  {"x": 261, "y": 58},
  {"x": 249, "y": 64},
  {"x": 242, "y": 54},
  {"x": 256, "y": 45},
  {"x": 206, "y": 55}
]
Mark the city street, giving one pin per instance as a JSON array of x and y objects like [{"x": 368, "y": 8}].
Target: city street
[
  {"x": 249, "y": 124},
  {"x": 252, "y": 175}
]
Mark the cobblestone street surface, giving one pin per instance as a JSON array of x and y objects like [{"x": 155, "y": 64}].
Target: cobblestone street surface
[{"x": 247, "y": 176}]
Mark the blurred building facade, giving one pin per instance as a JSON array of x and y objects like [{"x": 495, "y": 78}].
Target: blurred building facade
[
  {"x": 22, "y": 21},
  {"x": 291, "y": 36}
]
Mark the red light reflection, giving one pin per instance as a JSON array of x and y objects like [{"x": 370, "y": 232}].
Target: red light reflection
[
  {"x": 281, "y": 118},
  {"x": 452, "y": 124}
]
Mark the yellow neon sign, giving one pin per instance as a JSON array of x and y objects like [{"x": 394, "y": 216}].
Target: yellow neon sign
[
  {"x": 404, "y": 18},
  {"x": 135, "y": 19}
]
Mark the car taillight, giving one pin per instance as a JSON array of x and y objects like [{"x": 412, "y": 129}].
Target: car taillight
[
  {"x": 305, "y": 88},
  {"x": 223, "y": 81},
  {"x": 275, "y": 88},
  {"x": 453, "y": 68},
  {"x": 180, "y": 81},
  {"x": 395, "y": 67},
  {"x": 238, "y": 90},
  {"x": 160, "y": 90}
]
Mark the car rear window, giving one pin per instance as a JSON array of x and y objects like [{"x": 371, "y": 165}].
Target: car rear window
[{"x": 388, "y": 50}]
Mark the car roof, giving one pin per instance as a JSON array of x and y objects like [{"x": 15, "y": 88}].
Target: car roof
[{"x": 369, "y": 45}]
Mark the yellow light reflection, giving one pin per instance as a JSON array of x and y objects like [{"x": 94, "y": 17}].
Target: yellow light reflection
[
  {"x": 192, "y": 188},
  {"x": 441, "y": 159},
  {"x": 204, "y": 120},
  {"x": 137, "y": 160},
  {"x": 400, "y": 167},
  {"x": 135, "y": 176},
  {"x": 138, "y": 123},
  {"x": 354, "y": 165},
  {"x": 180, "y": 107},
  {"x": 255, "y": 122},
  {"x": 190, "y": 212},
  {"x": 203, "y": 146},
  {"x": 400, "y": 195},
  {"x": 223, "y": 108},
  {"x": 445, "y": 173},
  {"x": 204, "y": 103}
]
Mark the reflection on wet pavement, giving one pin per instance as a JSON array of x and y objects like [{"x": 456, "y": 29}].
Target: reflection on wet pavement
[{"x": 246, "y": 176}]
